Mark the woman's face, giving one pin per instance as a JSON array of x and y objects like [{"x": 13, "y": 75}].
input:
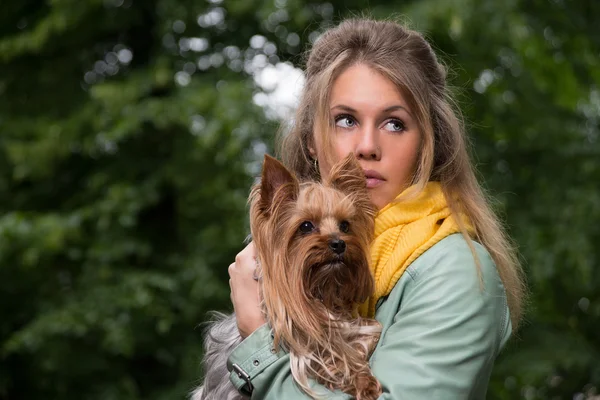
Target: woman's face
[{"x": 373, "y": 121}]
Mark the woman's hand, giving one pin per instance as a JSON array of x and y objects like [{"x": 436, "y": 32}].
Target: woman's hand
[{"x": 245, "y": 291}]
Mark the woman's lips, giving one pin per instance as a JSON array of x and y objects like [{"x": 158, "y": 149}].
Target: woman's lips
[
  {"x": 374, "y": 178},
  {"x": 373, "y": 182}
]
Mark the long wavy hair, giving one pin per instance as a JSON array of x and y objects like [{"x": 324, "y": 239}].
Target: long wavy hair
[{"x": 406, "y": 59}]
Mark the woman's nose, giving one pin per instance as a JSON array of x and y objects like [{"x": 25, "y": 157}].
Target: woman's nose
[{"x": 368, "y": 147}]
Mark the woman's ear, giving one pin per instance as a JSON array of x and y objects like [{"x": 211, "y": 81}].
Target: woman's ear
[{"x": 310, "y": 146}]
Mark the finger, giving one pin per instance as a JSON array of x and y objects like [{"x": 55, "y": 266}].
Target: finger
[
  {"x": 246, "y": 255},
  {"x": 251, "y": 249},
  {"x": 242, "y": 255}
]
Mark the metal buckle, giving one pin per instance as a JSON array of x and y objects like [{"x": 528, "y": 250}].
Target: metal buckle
[{"x": 248, "y": 388}]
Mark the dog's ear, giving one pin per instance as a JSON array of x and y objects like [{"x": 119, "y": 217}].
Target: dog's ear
[
  {"x": 277, "y": 183},
  {"x": 347, "y": 176}
]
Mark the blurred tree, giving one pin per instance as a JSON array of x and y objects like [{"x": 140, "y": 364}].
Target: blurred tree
[
  {"x": 122, "y": 189},
  {"x": 129, "y": 138}
]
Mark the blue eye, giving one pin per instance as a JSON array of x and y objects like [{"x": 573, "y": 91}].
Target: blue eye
[
  {"x": 306, "y": 227},
  {"x": 345, "y": 121},
  {"x": 395, "y": 125}
]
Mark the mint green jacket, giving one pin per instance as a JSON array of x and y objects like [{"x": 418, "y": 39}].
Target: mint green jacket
[{"x": 442, "y": 331}]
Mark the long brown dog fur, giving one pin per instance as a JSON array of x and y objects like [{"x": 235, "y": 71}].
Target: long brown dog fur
[{"x": 312, "y": 240}]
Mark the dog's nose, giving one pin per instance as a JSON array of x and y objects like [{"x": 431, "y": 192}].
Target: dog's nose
[{"x": 337, "y": 245}]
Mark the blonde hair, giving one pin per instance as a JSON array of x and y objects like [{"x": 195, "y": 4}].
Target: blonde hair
[{"x": 405, "y": 58}]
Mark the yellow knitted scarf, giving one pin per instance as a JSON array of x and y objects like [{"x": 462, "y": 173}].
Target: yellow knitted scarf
[{"x": 403, "y": 231}]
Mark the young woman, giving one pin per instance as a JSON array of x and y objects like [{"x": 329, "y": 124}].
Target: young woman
[{"x": 449, "y": 289}]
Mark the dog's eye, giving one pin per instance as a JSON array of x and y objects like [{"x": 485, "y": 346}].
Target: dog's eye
[
  {"x": 306, "y": 227},
  {"x": 345, "y": 226}
]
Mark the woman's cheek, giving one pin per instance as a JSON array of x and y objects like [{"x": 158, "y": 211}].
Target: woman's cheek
[{"x": 324, "y": 169}]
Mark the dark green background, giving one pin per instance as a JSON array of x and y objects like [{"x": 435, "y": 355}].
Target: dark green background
[{"x": 122, "y": 192}]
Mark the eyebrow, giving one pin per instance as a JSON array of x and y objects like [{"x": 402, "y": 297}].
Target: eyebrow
[{"x": 389, "y": 109}]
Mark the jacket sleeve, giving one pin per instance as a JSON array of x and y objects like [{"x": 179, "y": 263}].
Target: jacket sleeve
[
  {"x": 256, "y": 367},
  {"x": 442, "y": 341},
  {"x": 443, "y": 328}
]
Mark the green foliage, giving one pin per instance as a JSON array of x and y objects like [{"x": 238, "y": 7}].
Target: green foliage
[{"x": 129, "y": 139}]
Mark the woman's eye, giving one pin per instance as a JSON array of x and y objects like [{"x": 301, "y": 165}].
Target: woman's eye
[
  {"x": 395, "y": 126},
  {"x": 306, "y": 227},
  {"x": 345, "y": 226},
  {"x": 345, "y": 121}
]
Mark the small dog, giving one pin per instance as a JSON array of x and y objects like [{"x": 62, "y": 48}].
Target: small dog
[{"x": 312, "y": 241}]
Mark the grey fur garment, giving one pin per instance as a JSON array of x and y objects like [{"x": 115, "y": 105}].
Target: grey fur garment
[{"x": 221, "y": 338}]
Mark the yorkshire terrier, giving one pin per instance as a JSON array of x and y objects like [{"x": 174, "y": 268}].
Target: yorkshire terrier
[{"x": 312, "y": 242}]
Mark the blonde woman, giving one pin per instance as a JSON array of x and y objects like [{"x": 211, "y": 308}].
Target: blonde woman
[{"x": 449, "y": 289}]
